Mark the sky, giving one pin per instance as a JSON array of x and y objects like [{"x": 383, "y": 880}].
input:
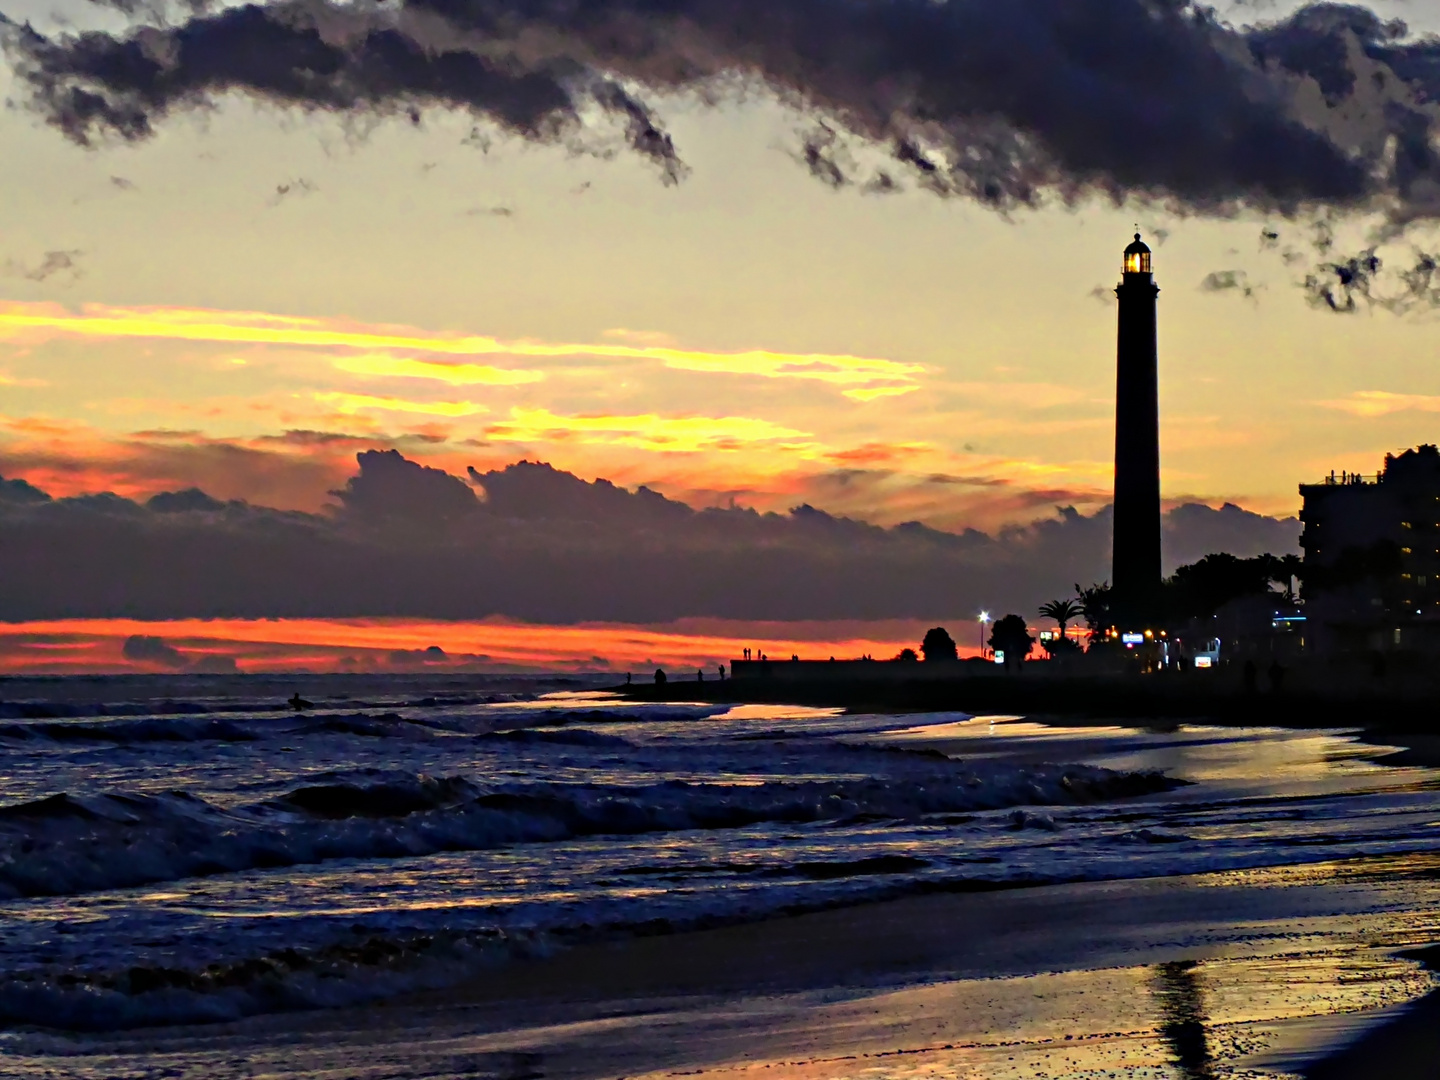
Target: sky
[{"x": 255, "y": 292}]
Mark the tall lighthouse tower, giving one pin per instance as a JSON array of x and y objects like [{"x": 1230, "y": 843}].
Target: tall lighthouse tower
[{"x": 1135, "y": 567}]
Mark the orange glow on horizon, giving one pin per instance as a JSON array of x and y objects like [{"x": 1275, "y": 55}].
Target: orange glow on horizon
[{"x": 93, "y": 646}]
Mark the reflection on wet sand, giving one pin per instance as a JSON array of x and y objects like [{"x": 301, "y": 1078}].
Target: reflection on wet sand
[
  {"x": 1179, "y": 979},
  {"x": 1180, "y": 994}
]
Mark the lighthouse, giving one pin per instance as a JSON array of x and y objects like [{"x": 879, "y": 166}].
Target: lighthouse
[{"x": 1135, "y": 563}]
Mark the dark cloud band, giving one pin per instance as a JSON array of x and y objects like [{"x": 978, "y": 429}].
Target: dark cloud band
[
  {"x": 1007, "y": 103},
  {"x": 542, "y": 545}
]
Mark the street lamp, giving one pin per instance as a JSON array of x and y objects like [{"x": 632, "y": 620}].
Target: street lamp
[{"x": 984, "y": 618}]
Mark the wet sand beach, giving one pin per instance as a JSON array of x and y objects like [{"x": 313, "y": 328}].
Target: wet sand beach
[
  {"x": 1257, "y": 973},
  {"x": 1257, "y": 916}
]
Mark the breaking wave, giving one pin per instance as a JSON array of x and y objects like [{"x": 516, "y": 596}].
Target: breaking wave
[{"x": 67, "y": 844}]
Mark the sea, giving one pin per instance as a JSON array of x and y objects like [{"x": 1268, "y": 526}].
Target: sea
[{"x": 196, "y": 849}]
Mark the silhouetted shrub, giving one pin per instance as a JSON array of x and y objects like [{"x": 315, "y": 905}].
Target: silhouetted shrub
[
  {"x": 1012, "y": 637},
  {"x": 938, "y": 644}
]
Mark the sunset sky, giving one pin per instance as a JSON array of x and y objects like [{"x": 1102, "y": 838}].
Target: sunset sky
[
  {"x": 248, "y": 298},
  {"x": 244, "y": 300}
]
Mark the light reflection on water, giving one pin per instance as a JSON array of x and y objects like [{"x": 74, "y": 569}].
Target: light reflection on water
[
  {"x": 1226, "y": 762},
  {"x": 1259, "y": 797}
]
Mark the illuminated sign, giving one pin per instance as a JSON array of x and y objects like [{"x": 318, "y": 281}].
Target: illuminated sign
[
  {"x": 1133, "y": 639},
  {"x": 1203, "y": 661},
  {"x": 999, "y": 656}
]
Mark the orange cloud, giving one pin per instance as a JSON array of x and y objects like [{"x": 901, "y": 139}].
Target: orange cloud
[
  {"x": 1372, "y": 403},
  {"x": 349, "y": 404},
  {"x": 454, "y": 374},
  {"x": 68, "y": 458},
  {"x": 686, "y": 434},
  {"x": 11, "y": 380},
  {"x": 703, "y": 461},
  {"x": 878, "y": 453},
  {"x": 22, "y": 322},
  {"x": 873, "y": 392}
]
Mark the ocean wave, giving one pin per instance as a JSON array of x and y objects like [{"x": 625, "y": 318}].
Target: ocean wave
[
  {"x": 63, "y": 710},
  {"x": 67, "y": 844},
  {"x": 348, "y": 972},
  {"x": 541, "y": 736},
  {"x": 118, "y": 725},
  {"x": 202, "y": 728},
  {"x": 149, "y": 729}
]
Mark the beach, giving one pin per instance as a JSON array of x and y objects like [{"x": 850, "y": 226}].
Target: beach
[
  {"x": 510, "y": 880},
  {"x": 1261, "y": 974}
]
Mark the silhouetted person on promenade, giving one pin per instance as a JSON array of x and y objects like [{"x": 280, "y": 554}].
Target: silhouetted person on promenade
[
  {"x": 627, "y": 678},
  {"x": 722, "y": 672},
  {"x": 699, "y": 674},
  {"x": 660, "y": 679}
]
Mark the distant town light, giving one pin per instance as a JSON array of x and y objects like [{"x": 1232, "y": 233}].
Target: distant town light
[{"x": 984, "y": 616}]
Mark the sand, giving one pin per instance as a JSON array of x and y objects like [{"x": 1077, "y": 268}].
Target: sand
[{"x": 1161, "y": 978}]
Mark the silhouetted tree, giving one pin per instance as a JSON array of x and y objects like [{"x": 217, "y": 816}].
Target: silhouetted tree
[
  {"x": 1063, "y": 612},
  {"x": 1012, "y": 637},
  {"x": 660, "y": 679},
  {"x": 938, "y": 644},
  {"x": 1095, "y": 608},
  {"x": 1203, "y": 587},
  {"x": 907, "y": 656}
]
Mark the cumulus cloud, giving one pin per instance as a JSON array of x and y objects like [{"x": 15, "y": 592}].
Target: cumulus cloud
[
  {"x": 389, "y": 485},
  {"x": 1005, "y": 103},
  {"x": 152, "y": 650},
  {"x": 536, "y": 543}
]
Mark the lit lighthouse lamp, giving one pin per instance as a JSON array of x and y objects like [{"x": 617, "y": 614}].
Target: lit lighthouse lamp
[{"x": 1137, "y": 257}]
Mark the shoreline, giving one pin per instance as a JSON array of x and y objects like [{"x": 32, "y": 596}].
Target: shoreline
[
  {"x": 1159, "y": 697},
  {"x": 1171, "y": 973}
]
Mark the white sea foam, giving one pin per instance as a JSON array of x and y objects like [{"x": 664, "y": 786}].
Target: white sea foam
[
  {"x": 191, "y": 865},
  {"x": 70, "y": 844}
]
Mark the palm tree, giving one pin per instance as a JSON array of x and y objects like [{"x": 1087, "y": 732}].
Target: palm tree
[{"x": 1062, "y": 611}]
